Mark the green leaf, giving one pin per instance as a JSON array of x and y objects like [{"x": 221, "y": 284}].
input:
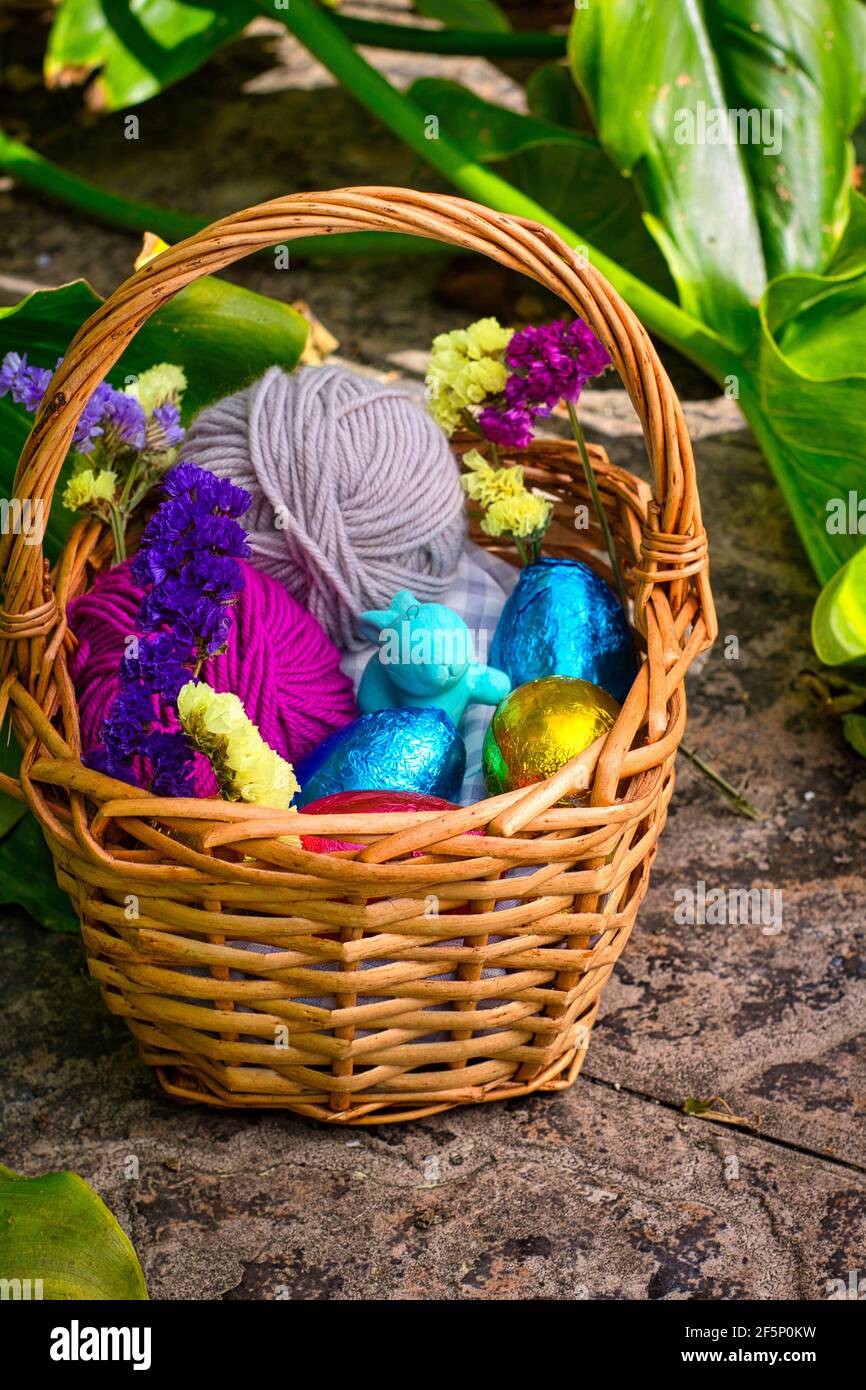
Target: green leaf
[
  {"x": 136, "y": 48},
  {"x": 812, "y": 385},
  {"x": 839, "y": 617},
  {"x": 564, "y": 170},
  {"x": 551, "y": 95},
  {"x": 854, "y": 729},
  {"x": 802, "y": 62},
  {"x": 729, "y": 216},
  {"x": 27, "y": 877},
  {"x": 55, "y": 1229},
  {"x": 11, "y": 810},
  {"x": 222, "y": 335},
  {"x": 482, "y": 15},
  {"x": 639, "y": 66}
]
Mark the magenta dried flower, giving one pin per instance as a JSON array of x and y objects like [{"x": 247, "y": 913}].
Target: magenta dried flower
[
  {"x": 552, "y": 363},
  {"x": 547, "y": 364},
  {"x": 510, "y": 426}
]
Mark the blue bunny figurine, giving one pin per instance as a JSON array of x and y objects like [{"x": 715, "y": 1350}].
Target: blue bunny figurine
[{"x": 425, "y": 659}]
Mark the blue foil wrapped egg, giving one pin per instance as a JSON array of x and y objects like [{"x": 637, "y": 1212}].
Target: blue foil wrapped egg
[
  {"x": 562, "y": 619},
  {"x": 403, "y": 750}
]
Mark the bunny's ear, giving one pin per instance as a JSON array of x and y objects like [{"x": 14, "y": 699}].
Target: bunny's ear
[
  {"x": 376, "y": 618},
  {"x": 403, "y": 600}
]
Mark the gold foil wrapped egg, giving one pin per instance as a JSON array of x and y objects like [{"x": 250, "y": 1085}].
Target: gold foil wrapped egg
[{"x": 540, "y": 726}]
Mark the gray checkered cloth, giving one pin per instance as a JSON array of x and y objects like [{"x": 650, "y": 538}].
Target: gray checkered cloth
[{"x": 479, "y": 590}]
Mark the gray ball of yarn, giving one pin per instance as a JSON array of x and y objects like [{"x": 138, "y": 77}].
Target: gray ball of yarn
[{"x": 356, "y": 493}]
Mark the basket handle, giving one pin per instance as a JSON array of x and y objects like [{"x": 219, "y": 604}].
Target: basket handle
[{"x": 674, "y": 540}]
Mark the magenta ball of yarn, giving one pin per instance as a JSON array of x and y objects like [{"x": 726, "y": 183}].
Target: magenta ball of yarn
[{"x": 278, "y": 661}]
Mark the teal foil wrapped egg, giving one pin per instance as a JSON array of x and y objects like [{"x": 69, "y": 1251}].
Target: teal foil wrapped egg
[
  {"x": 401, "y": 750},
  {"x": 539, "y": 727},
  {"x": 561, "y": 619}
]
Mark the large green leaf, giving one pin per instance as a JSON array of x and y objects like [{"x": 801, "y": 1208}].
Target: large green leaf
[
  {"x": 58, "y": 1240},
  {"x": 137, "y": 47},
  {"x": 639, "y": 63},
  {"x": 811, "y": 378},
  {"x": 565, "y": 170},
  {"x": 551, "y": 95},
  {"x": 839, "y": 619},
  {"x": 11, "y": 810},
  {"x": 27, "y": 877},
  {"x": 222, "y": 335},
  {"x": 773, "y": 213},
  {"x": 804, "y": 60},
  {"x": 773, "y": 197}
]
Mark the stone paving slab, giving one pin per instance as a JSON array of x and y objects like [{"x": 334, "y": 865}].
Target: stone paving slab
[{"x": 597, "y": 1193}]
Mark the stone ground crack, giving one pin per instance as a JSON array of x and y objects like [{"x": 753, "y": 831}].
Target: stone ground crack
[{"x": 830, "y": 1159}]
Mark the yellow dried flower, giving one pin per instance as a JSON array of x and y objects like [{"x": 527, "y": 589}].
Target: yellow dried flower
[
  {"x": 486, "y": 337},
  {"x": 159, "y": 384},
  {"x": 246, "y": 768},
  {"x": 522, "y": 516},
  {"x": 465, "y": 368},
  {"x": 486, "y": 484},
  {"x": 86, "y": 487}
]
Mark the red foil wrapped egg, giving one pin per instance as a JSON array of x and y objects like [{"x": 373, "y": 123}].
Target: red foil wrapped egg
[{"x": 365, "y": 803}]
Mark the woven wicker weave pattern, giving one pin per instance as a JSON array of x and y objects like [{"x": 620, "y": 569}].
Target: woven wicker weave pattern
[{"x": 368, "y": 1006}]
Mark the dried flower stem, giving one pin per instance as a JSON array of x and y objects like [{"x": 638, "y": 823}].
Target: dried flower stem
[
  {"x": 579, "y": 439},
  {"x": 118, "y": 533}
]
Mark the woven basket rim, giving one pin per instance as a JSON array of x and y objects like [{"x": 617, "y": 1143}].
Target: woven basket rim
[{"x": 673, "y": 545}]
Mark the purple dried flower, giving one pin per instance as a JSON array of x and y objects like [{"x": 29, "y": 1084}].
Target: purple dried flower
[
  {"x": 89, "y": 425},
  {"x": 183, "y": 607},
  {"x": 159, "y": 662},
  {"x": 553, "y": 362},
  {"x": 124, "y": 418},
  {"x": 101, "y": 761},
  {"x": 549, "y": 364},
  {"x": 188, "y": 564},
  {"x": 10, "y": 369},
  {"x": 179, "y": 534},
  {"x": 133, "y": 709},
  {"x": 171, "y": 763},
  {"x": 217, "y": 577},
  {"x": 224, "y": 535},
  {"x": 26, "y": 385},
  {"x": 209, "y": 493},
  {"x": 168, "y": 430},
  {"x": 511, "y": 427},
  {"x": 38, "y": 379}
]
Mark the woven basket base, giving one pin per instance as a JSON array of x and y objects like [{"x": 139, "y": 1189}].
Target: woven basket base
[{"x": 197, "y": 1088}]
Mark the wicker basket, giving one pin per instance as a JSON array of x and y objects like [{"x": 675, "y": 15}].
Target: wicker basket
[{"x": 425, "y": 1012}]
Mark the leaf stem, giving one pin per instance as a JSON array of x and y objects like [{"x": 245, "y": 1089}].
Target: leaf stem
[
  {"x": 458, "y": 43},
  {"x": 34, "y": 171}
]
